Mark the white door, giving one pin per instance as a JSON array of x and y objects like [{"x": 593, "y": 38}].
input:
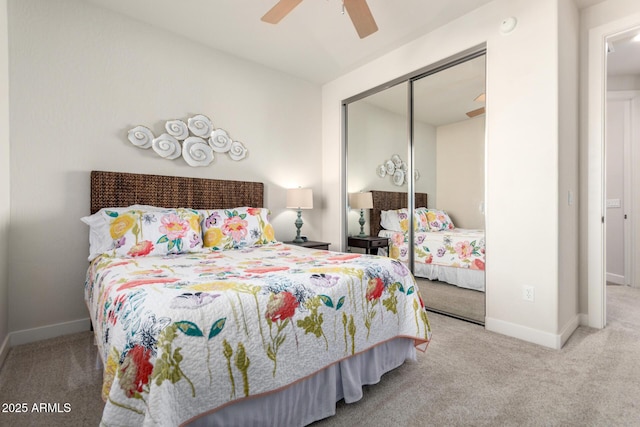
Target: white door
[{"x": 618, "y": 135}]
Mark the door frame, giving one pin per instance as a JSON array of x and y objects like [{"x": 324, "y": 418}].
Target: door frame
[{"x": 596, "y": 231}]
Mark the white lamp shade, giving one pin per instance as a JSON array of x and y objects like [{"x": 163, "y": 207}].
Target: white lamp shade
[
  {"x": 361, "y": 200},
  {"x": 299, "y": 198}
]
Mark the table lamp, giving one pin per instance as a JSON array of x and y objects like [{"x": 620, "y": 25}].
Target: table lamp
[
  {"x": 361, "y": 201},
  {"x": 299, "y": 198}
]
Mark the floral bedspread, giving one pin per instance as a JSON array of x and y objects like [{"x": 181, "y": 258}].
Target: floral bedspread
[
  {"x": 183, "y": 335},
  {"x": 458, "y": 247}
]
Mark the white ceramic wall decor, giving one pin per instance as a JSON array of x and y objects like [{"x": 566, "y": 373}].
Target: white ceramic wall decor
[
  {"x": 196, "y": 151},
  {"x": 397, "y": 169},
  {"x": 398, "y": 177},
  {"x": 237, "y": 151},
  {"x": 200, "y": 125},
  {"x": 141, "y": 136},
  {"x": 220, "y": 141},
  {"x": 177, "y": 129},
  {"x": 199, "y": 141},
  {"x": 167, "y": 147}
]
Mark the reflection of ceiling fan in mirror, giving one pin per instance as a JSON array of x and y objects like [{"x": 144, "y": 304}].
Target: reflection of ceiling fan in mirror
[
  {"x": 358, "y": 11},
  {"x": 478, "y": 111}
]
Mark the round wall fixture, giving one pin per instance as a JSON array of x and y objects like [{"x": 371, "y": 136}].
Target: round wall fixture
[{"x": 508, "y": 24}]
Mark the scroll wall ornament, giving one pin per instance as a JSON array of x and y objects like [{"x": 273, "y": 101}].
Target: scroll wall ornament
[
  {"x": 196, "y": 141},
  {"x": 396, "y": 168}
]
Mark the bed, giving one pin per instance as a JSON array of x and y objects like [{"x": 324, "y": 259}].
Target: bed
[
  {"x": 450, "y": 254},
  {"x": 199, "y": 327}
]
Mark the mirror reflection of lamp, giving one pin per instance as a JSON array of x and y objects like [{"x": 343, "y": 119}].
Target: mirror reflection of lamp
[
  {"x": 299, "y": 198},
  {"x": 362, "y": 201}
]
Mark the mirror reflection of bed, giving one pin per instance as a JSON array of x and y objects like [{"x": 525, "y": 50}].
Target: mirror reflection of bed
[
  {"x": 447, "y": 140},
  {"x": 448, "y": 260}
]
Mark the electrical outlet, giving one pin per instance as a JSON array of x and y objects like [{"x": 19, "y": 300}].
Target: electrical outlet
[{"x": 528, "y": 293}]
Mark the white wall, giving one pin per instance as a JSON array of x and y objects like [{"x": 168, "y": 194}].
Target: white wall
[
  {"x": 5, "y": 178},
  {"x": 461, "y": 171},
  {"x": 568, "y": 185},
  {"x": 81, "y": 77},
  {"x": 425, "y": 154},
  {"x": 626, "y": 82},
  {"x": 376, "y": 134},
  {"x": 522, "y": 152}
]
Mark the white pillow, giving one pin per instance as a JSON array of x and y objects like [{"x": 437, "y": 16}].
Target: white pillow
[
  {"x": 395, "y": 220},
  {"x": 100, "y": 240}
]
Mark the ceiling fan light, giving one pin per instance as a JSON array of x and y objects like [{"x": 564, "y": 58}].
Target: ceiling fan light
[{"x": 636, "y": 38}]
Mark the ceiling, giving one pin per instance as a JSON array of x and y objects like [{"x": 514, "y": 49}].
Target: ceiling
[
  {"x": 315, "y": 42},
  {"x": 624, "y": 54},
  {"x": 440, "y": 98}
]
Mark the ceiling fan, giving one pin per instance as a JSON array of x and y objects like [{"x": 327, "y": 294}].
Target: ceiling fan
[
  {"x": 480, "y": 98},
  {"x": 358, "y": 11}
]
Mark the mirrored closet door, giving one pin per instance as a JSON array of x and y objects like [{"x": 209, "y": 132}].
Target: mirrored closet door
[{"x": 415, "y": 153}]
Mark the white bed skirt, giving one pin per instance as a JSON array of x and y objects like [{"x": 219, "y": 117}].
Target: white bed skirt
[
  {"x": 461, "y": 277},
  {"x": 315, "y": 397}
]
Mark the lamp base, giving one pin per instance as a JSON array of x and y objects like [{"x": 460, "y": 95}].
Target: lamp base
[
  {"x": 298, "y": 238},
  {"x": 362, "y": 222}
]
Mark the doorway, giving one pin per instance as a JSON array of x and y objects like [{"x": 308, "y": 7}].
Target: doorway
[
  {"x": 621, "y": 115},
  {"x": 601, "y": 41}
]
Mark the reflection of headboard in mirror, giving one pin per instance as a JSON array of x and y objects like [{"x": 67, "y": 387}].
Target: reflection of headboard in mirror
[{"x": 388, "y": 200}]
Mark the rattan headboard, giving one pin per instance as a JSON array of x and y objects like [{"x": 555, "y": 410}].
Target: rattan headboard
[
  {"x": 114, "y": 189},
  {"x": 388, "y": 200}
]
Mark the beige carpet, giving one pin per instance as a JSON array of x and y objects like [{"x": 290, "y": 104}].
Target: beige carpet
[
  {"x": 57, "y": 371},
  {"x": 467, "y": 377},
  {"x": 449, "y": 299}
]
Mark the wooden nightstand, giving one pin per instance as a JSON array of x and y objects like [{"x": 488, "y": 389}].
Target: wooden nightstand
[
  {"x": 311, "y": 244},
  {"x": 370, "y": 243}
]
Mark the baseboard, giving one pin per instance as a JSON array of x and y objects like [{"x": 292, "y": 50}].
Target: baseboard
[
  {"x": 523, "y": 333},
  {"x": 615, "y": 278},
  {"x": 568, "y": 330},
  {"x": 4, "y": 350},
  {"x": 584, "y": 319},
  {"x": 26, "y": 336}
]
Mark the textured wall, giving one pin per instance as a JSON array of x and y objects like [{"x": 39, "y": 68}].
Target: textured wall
[
  {"x": 522, "y": 151},
  {"x": 5, "y": 176},
  {"x": 81, "y": 76}
]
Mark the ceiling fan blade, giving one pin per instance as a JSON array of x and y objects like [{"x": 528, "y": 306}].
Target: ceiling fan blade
[
  {"x": 476, "y": 112},
  {"x": 280, "y": 10},
  {"x": 361, "y": 17}
]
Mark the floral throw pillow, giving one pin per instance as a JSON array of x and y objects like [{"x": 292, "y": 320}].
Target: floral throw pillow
[
  {"x": 236, "y": 228},
  {"x": 398, "y": 220},
  {"x": 138, "y": 233},
  {"x": 439, "y": 220},
  {"x": 421, "y": 220}
]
